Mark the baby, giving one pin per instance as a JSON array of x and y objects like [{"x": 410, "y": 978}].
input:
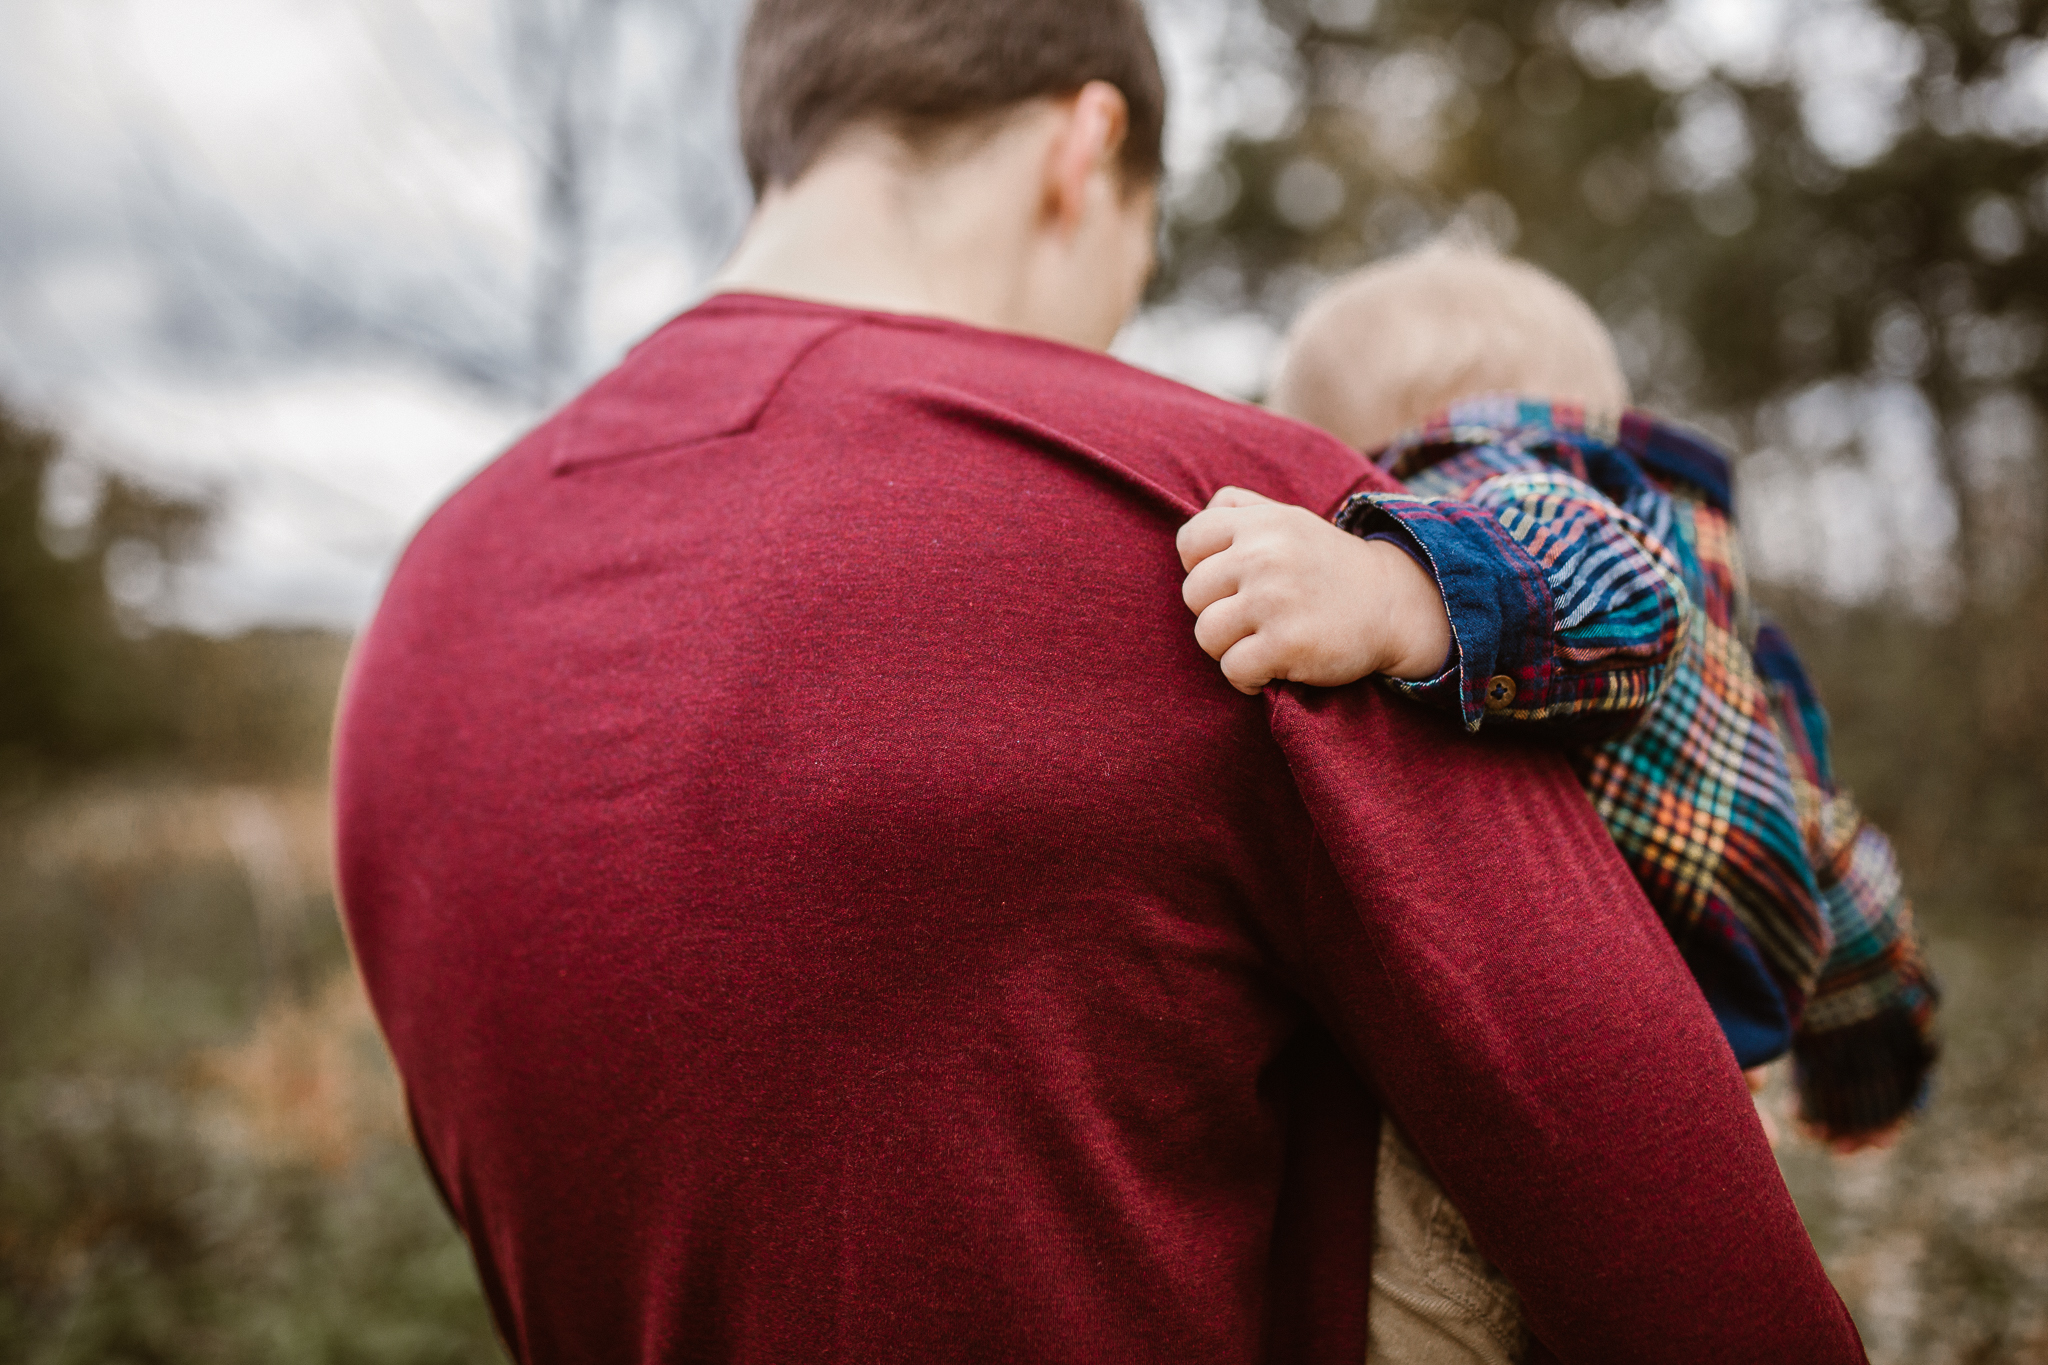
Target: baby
[{"x": 1494, "y": 393}]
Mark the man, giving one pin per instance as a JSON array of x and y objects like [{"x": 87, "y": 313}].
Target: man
[{"x": 823, "y": 904}]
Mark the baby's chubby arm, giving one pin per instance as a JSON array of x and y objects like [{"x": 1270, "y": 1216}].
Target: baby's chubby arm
[{"x": 1280, "y": 594}]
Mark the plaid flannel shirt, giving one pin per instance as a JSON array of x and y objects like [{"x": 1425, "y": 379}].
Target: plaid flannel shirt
[
  {"x": 1566, "y": 605},
  {"x": 1595, "y": 586}
]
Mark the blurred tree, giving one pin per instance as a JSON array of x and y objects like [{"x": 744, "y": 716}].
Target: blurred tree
[
  {"x": 74, "y": 690},
  {"x": 1823, "y": 237},
  {"x": 88, "y": 681},
  {"x": 562, "y": 54}
]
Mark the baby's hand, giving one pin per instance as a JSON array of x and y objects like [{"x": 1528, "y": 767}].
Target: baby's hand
[{"x": 1280, "y": 593}]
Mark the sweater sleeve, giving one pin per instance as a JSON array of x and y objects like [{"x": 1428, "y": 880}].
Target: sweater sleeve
[
  {"x": 1470, "y": 936},
  {"x": 1865, "y": 1044},
  {"x": 1565, "y": 607}
]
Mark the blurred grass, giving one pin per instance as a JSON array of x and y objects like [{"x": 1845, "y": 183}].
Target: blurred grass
[
  {"x": 202, "y": 1151},
  {"x": 203, "y": 1154},
  {"x": 1940, "y": 1247}
]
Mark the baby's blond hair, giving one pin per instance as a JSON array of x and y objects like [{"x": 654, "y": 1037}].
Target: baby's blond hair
[{"x": 1389, "y": 345}]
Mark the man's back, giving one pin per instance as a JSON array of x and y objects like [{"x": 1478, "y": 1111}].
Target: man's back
[{"x": 824, "y": 905}]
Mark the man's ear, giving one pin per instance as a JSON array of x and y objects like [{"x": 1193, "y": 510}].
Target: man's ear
[{"x": 1089, "y": 138}]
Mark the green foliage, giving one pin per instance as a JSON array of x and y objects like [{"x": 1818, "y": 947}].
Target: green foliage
[
  {"x": 1942, "y": 732},
  {"x": 87, "y": 683},
  {"x": 129, "y": 1239},
  {"x": 257, "y": 706},
  {"x": 71, "y": 691},
  {"x": 1735, "y": 259},
  {"x": 179, "y": 1178}
]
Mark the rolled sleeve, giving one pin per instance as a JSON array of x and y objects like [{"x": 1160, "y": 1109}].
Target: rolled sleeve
[
  {"x": 1565, "y": 609},
  {"x": 1496, "y": 595}
]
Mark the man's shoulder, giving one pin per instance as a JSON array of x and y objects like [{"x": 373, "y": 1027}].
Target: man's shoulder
[
  {"x": 1186, "y": 442},
  {"x": 741, "y": 366}
]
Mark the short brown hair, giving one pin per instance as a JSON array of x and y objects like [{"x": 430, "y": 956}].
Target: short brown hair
[{"x": 811, "y": 68}]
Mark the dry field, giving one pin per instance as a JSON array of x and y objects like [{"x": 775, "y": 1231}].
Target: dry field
[
  {"x": 1940, "y": 1247},
  {"x": 202, "y": 1153}
]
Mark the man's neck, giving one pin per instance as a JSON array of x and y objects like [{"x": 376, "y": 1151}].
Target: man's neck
[{"x": 868, "y": 228}]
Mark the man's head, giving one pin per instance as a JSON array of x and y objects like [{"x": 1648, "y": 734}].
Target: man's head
[
  {"x": 1394, "y": 343},
  {"x": 1011, "y": 147},
  {"x": 929, "y": 69}
]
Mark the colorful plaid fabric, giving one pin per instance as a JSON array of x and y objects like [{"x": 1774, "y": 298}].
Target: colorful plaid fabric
[
  {"x": 1592, "y": 608},
  {"x": 1784, "y": 903},
  {"x": 1866, "y": 1041}
]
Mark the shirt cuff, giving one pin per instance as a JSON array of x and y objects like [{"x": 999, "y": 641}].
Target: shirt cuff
[
  {"x": 1403, "y": 541},
  {"x": 1496, "y": 595},
  {"x": 1869, "y": 1075}
]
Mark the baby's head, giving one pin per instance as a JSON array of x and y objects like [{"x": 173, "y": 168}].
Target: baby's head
[{"x": 1394, "y": 343}]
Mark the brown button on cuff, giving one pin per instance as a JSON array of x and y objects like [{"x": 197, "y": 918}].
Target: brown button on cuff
[{"x": 1500, "y": 692}]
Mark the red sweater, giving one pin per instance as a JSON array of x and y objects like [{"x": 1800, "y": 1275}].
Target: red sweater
[{"x": 824, "y": 906}]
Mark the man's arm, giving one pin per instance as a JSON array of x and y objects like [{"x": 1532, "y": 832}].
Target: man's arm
[{"x": 1473, "y": 940}]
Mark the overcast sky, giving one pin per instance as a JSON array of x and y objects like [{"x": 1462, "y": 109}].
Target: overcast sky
[
  {"x": 283, "y": 251},
  {"x": 287, "y": 252}
]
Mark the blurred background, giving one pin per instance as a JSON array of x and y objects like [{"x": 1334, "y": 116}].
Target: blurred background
[{"x": 275, "y": 275}]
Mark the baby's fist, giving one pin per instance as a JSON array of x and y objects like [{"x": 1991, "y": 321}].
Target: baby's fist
[{"x": 1280, "y": 593}]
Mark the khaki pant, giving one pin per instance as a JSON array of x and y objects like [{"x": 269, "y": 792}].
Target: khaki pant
[{"x": 1435, "y": 1299}]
